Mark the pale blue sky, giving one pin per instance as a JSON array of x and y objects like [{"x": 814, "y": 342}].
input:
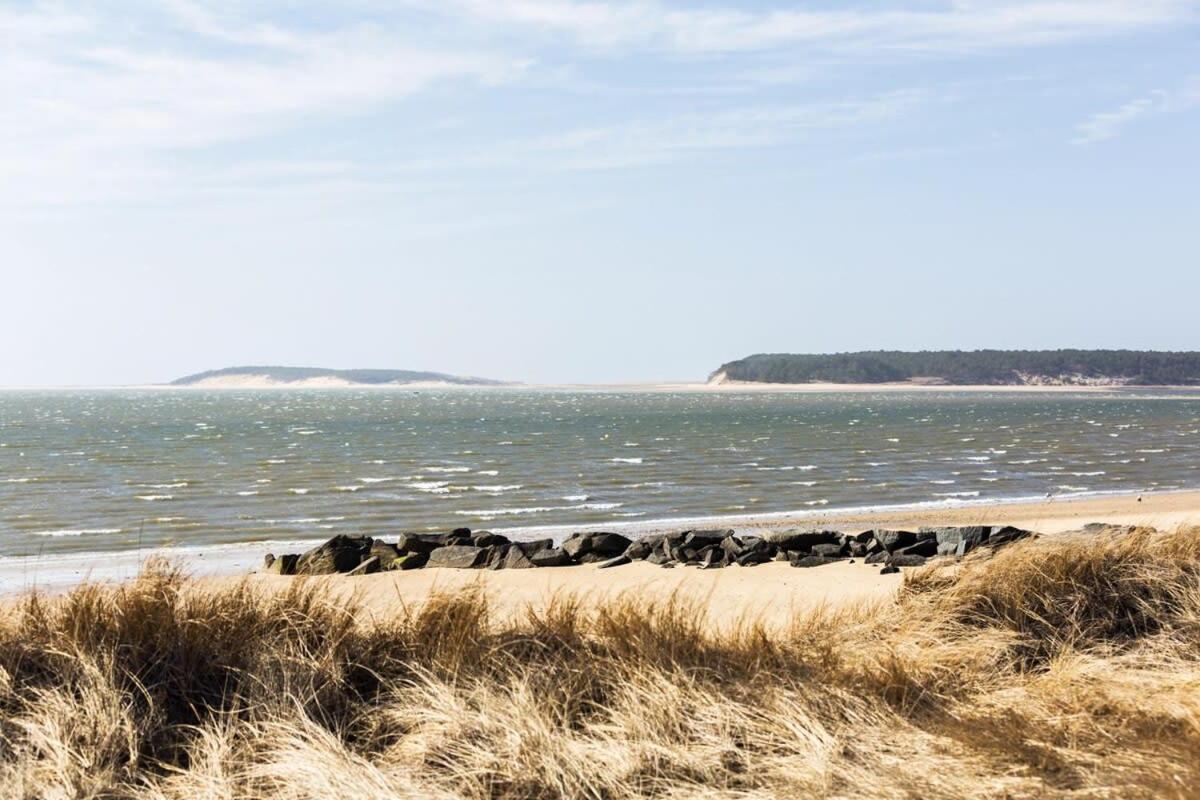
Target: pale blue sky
[{"x": 549, "y": 190}]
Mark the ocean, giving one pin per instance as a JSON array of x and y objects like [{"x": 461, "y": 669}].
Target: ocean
[{"x": 92, "y": 482}]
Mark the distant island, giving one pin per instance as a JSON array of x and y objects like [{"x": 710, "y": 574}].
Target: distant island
[
  {"x": 260, "y": 377},
  {"x": 974, "y": 367}
]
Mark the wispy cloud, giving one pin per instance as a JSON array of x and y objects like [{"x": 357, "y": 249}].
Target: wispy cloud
[
  {"x": 88, "y": 101},
  {"x": 957, "y": 25},
  {"x": 1107, "y": 125}
]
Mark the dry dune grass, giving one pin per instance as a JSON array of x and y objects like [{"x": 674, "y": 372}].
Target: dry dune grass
[{"x": 1063, "y": 667}]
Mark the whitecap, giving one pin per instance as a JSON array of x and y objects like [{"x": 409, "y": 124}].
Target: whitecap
[
  {"x": 248, "y": 493},
  {"x": 956, "y": 494},
  {"x": 627, "y": 461},
  {"x": 77, "y": 532},
  {"x": 179, "y": 485},
  {"x": 433, "y": 487},
  {"x": 576, "y": 498},
  {"x": 491, "y": 472},
  {"x": 943, "y": 483},
  {"x": 446, "y": 469},
  {"x": 821, "y": 502},
  {"x": 376, "y": 480},
  {"x": 153, "y": 497},
  {"x": 498, "y": 488},
  {"x": 804, "y": 483},
  {"x": 298, "y": 491},
  {"x": 348, "y": 488}
]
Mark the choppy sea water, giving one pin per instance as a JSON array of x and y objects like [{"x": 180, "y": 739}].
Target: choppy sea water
[{"x": 93, "y": 478}]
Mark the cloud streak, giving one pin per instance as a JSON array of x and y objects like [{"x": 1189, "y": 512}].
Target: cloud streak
[
  {"x": 1106, "y": 125},
  {"x": 961, "y": 26}
]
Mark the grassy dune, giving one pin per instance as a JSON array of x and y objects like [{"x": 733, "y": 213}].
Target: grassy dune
[{"x": 1062, "y": 667}]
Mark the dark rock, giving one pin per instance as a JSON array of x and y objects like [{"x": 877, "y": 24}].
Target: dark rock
[
  {"x": 801, "y": 540},
  {"x": 642, "y": 548},
  {"x": 862, "y": 537},
  {"x": 580, "y": 546},
  {"x": 1008, "y": 534},
  {"x": 668, "y": 565},
  {"x": 339, "y": 554},
  {"x": 889, "y": 570},
  {"x": 458, "y": 557},
  {"x": 488, "y": 539},
  {"x": 699, "y": 539},
  {"x": 409, "y": 561},
  {"x": 368, "y": 566},
  {"x": 421, "y": 542},
  {"x": 924, "y": 548},
  {"x": 950, "y": 541},
  {"x": 618, "y": 561},
  {"x": 713, "y": 557},
  {"x": 782, "y": 555},
  {"x": 733, "y": 546},
  {"x": 891, "y": 540},
  {"x": 814, "y": 561},
  {"x": 658, "y": 557},
  {"x": 550, "y": 557},
  {"x": 283, "y": 565},
  {"x": 515, "y": 558},
  {"x": 907, "y": 560},
  {"x": 385, "y": 553},
  {"x": 831, "y": 550},
  {"x": 878, "y": 557},
  {"x": 858, "y": 549}
]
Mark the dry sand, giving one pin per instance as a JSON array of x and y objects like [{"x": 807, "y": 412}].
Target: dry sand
[{"x": 770, "y": 592}]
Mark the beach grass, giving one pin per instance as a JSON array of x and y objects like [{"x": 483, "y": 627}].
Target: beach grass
[{"x": 1067, "y": 666}]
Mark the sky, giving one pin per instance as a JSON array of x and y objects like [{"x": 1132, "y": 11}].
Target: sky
[{"x": 589, "y": 191}]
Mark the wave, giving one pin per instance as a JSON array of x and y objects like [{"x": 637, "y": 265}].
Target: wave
[
  {"x": 247, "y": 493},
  {"x": 376, "y": 480},
  {"x": 77, "y": 532},
  {"x": 499, "y": 488},
  {"x": 430, "y": 487},
  {"x": 956, "y": 494},
  {"x": 348, "y": 488},
  {"x": 626, "y": 460},
  {"x": 445, "y": 469},
  {"x": 299, "y": 491},
  {"x": 179, "y": 485},
  {"x": 153, "y": 497},
  {"x": 490, "y": 513}
]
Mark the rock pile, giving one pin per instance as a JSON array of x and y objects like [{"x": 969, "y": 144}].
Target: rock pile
[{"x": 706, "y": 549}]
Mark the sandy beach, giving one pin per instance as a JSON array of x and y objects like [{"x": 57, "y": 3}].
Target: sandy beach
[{"x": 771, "y": 593}]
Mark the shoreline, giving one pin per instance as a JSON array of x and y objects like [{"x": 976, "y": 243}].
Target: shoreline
[
  {"x": 1164, "y": 510},
  {"x": 663, "y": 387}
]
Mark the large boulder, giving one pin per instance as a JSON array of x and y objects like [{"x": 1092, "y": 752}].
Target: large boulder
[
  {"x": 831, "y": 550},
  {"x": 640, "y": 549},
  {"x": 339, "y": 554},
  {"x": 891, "y": 540},
  {"x": 1006, "y": 534},
  {"x": 458, "y": 556},
  {"x": 385, "y": 553},
  {"x": 906, "y": 560},
  {"x": 282, "y": 565},
  {"x": 409, "y": 561},
  {"x": 801, "y": 539},
  {"x": 515, "y": 558},
  {"x": 959, "y": 541},
  {"x": 550, "y": 557},
  {"x": 813, "y": 561},
  {"x": 588, "y": 548},
  {"x": 704, "y": 538},
  {"x": 488, "y": 539},
  {"x": 924, "y": 548},
  {"x": 424, "y": 542}
]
